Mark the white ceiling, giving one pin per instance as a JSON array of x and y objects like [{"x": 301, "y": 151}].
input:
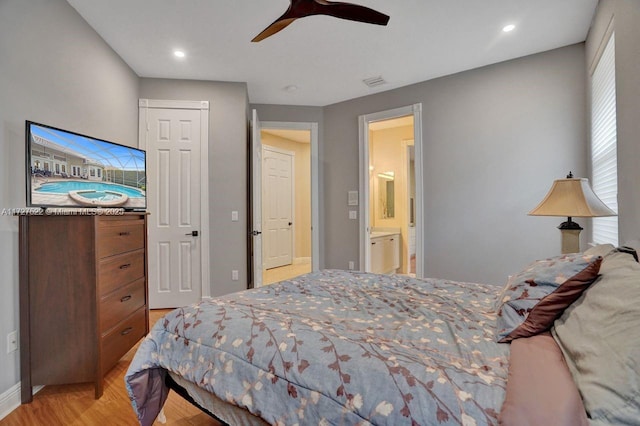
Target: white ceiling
[{"x": 327, "y": 58}]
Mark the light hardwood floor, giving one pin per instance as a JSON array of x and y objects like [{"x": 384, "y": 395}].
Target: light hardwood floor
[
  {"x": 270, "y": 276},
  {"x": 75, "y": 404}
]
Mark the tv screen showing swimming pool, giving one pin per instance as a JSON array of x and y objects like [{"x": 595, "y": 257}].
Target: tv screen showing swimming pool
[{"x": 67, "y": 169}]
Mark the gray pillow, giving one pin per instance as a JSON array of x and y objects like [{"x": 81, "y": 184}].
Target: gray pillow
[
  {"x": 600, "y": 250},
  {"x": 599, "y": 335}
]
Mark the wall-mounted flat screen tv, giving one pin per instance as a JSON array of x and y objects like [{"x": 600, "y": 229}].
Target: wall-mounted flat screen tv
[{"x": 67, "y": 169}]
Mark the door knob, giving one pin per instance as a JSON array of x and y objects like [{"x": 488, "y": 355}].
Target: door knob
[
  {"x": 290, "y": 223},
  {"x": 193, "y": 233},
  {"x": 254, "y": 233}
]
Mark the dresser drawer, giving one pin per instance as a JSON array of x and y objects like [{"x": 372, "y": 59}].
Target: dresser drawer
[
  {"x": 121, "y": 303},
  {"x": 116, "y": 271},
  {"x": 122, "y": 337},
  {"x": 119, "y": 236}
]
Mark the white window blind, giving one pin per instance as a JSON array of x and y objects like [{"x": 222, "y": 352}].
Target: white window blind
[{"x": 604, "y": 157}]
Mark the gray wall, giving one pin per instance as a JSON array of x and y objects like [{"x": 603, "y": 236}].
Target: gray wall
[
  {"x": 290, "y": 113},
  {"x": 228, "y": 141},
  {"x": 494, "y": 139},
  {"x": 626, "y": 22},
  {"x": 55, "y": 70}
]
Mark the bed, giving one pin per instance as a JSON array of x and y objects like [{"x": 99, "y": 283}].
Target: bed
[{"x": 346, "y": 348}]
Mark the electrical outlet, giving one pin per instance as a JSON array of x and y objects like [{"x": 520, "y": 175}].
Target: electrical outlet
[
  {"x": 12, "y": 342},
  {"x": 352, "y": 265},
  {"x": 234, "y": 275}
]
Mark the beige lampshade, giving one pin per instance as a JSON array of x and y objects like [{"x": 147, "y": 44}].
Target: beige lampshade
[{"x": 572, "y": 197}]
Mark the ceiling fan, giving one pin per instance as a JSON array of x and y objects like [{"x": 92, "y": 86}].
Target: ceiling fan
[{"x": 301, "y": 8}]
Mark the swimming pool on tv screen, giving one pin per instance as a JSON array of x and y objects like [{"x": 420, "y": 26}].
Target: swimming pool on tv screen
[{"x": 64, "y": 187}]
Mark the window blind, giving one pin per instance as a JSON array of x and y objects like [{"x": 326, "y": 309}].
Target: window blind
[{"x": 604, "y": 158}]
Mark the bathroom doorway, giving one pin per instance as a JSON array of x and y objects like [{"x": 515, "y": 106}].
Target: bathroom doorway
[{"x": 390, "y": 184}]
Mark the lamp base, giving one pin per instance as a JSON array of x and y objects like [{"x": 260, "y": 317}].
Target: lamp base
[
  {"x": 569, "y": 224},
  {"x": 570, "y": 240}
]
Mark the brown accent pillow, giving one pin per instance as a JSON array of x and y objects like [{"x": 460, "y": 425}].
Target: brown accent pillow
[
  {"x": 540, "y": 389},
  {"x": 541, "y": 292}
]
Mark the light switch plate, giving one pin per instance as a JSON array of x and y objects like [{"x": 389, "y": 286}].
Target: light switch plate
[
  {"x": 353, "y": 214},
  {"x": 12, "y": 342},
  {"x": 353, "y": 198}
]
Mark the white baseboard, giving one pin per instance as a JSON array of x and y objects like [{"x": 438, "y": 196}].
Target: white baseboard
[{"x": 10, "y": 399}]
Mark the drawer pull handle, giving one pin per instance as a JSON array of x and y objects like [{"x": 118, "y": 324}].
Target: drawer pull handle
[
  {"x": 127, "y": 297},
  {"x": 124, "y": 234},
  {"x": 126, "y": 331},
  {"x": 125, "y": 266}
]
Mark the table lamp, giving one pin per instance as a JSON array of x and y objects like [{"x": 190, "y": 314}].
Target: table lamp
[{"x": 571, "y": 197}]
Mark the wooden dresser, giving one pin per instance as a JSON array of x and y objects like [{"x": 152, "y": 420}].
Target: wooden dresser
[{"x": 83, "y": 296}]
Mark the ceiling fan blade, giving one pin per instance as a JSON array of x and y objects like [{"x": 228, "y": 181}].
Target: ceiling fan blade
[
  {"x": 352, "y": 12},
  {"x": 275, "y": 27},
  {"x": 301, "y": 8}
]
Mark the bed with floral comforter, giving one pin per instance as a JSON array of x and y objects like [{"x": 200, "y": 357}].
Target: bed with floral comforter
[{"x": 335, "y": 348}]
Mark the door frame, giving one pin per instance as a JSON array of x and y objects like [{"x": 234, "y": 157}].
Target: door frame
[
  {"x": 203, "y": 106},
  {"x": 254, "y": 194},
  {"x": 365, "y": 220},
  {"x": 292, "y": 196},
  {"x": 407, "y": 144},
  {"x": 312, "y": 127}
]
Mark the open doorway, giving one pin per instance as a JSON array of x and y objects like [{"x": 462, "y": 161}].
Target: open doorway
[
  {"x": 391, "y": 189},
  {"x": 390, "y": 184},
  {"x": 301, "y": 140},
  {"x": 286, "y": 203}
]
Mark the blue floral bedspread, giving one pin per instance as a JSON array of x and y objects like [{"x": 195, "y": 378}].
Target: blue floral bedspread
[{"x": 335, "y": 348}]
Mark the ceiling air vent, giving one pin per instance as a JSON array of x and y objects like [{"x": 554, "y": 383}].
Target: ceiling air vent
[{"x": 374, "y": 81}]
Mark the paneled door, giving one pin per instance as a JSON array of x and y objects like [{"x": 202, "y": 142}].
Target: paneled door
[
  {"x": 277, "y": 207},
  {"x": 173, "y": 139}
]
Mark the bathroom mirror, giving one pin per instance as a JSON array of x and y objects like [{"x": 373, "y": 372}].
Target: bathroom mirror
[{"x": 386, "y": 195}]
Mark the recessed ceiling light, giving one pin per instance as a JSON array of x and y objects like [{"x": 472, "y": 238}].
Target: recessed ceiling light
[
  {"x": 291, "y": 88},
  {"x": 178, "y": 53},
  {"x": 509, "y": 28}
]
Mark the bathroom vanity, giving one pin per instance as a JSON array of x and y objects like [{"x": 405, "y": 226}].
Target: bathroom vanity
[{"x": 385, "y": 251}]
